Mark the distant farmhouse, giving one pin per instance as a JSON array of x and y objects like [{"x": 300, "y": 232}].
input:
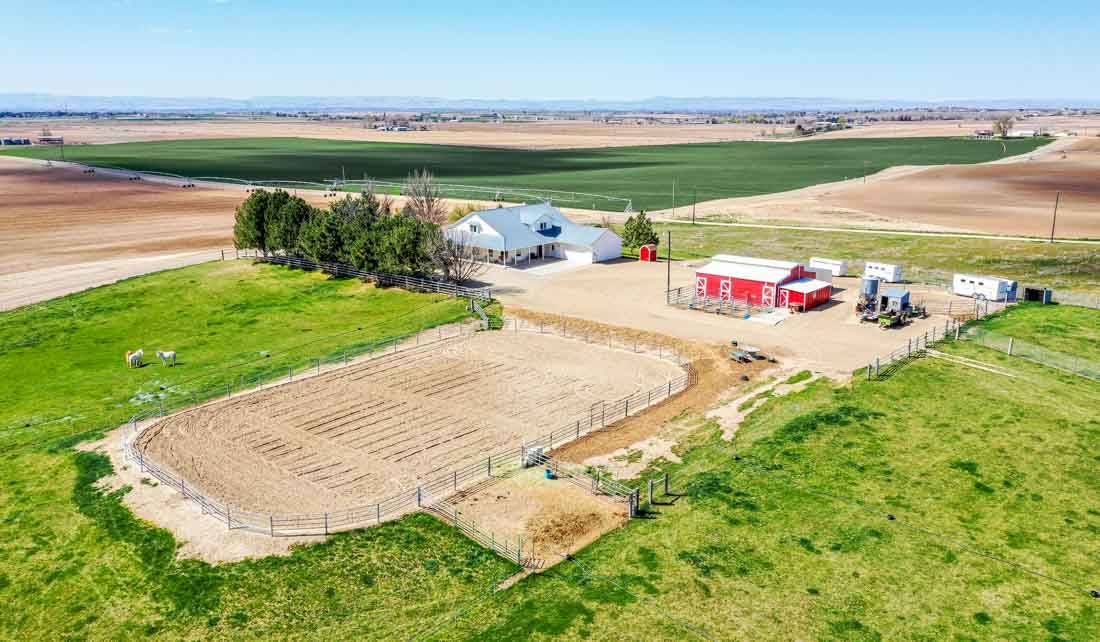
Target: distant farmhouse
[{"x": 515, "y": 235}]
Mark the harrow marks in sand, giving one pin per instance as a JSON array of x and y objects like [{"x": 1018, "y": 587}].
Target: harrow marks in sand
[{"x": 367, "y": 430}]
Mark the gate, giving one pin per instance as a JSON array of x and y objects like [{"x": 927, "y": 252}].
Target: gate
[{"x": 767, "y": 296}]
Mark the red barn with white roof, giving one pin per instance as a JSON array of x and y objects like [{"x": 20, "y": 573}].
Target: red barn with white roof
[{"x": 763, "y": 282}]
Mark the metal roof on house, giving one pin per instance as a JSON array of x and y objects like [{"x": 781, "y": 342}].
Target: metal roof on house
[
  {"x": 513, "y": 224},
  {"x": 747, "y": 272},
  {"x": 805, "y": 285}
]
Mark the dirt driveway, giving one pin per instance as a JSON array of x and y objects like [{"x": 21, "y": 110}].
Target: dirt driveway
[{"x": 627, "y": 293}]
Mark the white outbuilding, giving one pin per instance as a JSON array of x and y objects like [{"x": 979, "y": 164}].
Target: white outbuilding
[
  {"x": 828, "y": 268},
  {"x": 514, "y": 235},
  {"x": 883, "y": 271}
]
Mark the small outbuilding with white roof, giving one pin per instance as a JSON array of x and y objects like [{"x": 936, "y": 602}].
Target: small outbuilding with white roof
[
  {"x": 762, "y": 282},
  {"x": 514, "y": 235}
]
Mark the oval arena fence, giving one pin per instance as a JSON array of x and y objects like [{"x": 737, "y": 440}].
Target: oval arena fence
[{"x": 431, "y": 493}]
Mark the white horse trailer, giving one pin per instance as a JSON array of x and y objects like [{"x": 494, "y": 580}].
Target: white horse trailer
[
  {"x": 990, "y": 288},
  {"x": 885, "y": 271},
  {"x": 833, "y": 266}
]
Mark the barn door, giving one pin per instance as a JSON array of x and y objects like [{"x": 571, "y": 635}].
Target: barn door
[
  {"x": 724, "y": 290},
  {"x": 784, "y": 298},
  {"x": 767, "y": 296},
  {"x": 700, "y": 286}
]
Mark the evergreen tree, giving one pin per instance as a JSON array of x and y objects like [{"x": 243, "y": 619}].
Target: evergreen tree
[
  {"x": 638, "y": 231},
  {"x": 250, "y": 223}
]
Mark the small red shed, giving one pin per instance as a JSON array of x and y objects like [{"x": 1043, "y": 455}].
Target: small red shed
[
  {"x": 763, "y": 282},
  {"x": 648, "y": 252}
]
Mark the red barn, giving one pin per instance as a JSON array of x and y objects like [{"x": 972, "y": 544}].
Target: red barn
[{"x": 763, "y": 282}]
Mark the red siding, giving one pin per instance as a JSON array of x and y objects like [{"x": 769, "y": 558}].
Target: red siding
[{"x": 740, "y": 289}]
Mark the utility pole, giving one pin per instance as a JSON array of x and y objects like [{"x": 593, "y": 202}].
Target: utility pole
[
  {"x": 668, "y": 264},
  {"x": 1054, "y": 219},
  {"x": 694, "y": 195},
  {"x": 674, "y": 198}
]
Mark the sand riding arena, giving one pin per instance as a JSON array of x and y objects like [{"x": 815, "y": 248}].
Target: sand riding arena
[{"x": 357, "y": 444}]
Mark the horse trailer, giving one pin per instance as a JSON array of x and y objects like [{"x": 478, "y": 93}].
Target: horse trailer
[
  {"x": 990, "y": 288},
  {"x": 886, "y": 271},
  {"x": 834, "y": 267}
]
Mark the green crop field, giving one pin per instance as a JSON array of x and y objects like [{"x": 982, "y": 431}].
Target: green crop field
[
  {"x": 643, "y": 174},
  {"x": 994, "y": 483},
  {"x": 931, "y": 259}
]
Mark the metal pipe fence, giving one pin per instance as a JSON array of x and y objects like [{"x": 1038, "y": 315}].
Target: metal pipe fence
[
  {"x": 439, "y": 486},
  {"x": 915, "y": 347},
  {"x": 688, "y": 296},
  {"x": 605, "y": 338}
]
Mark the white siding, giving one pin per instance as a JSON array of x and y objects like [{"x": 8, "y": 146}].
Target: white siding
[
  {"x": 477, "y": 220},
  {"x": 886, "y": 271},
  {"x": 608, "y": 247}
]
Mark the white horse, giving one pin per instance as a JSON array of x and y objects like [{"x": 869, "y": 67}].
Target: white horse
[
  {"x": 165, "y": 357},
  {"x": 133, "y": 359}
]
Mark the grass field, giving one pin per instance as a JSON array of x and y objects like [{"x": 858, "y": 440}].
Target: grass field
[
  {"x": 645, "y": 174},
  {"x": 923, "y": 258},
  {"x": 792, "y": 540},
  {"x": 1064, "y": 328}
]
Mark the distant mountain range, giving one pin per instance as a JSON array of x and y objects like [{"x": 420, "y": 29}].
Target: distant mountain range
[{"x": 39, "y": 102}]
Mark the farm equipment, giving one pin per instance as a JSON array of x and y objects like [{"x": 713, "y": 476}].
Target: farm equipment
[{"x": 890, "y": 309}]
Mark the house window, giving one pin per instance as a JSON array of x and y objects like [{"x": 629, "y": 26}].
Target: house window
[{"x": 475, "y": 228}]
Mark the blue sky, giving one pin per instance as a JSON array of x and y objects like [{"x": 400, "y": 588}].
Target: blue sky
[{"x": 241, "y": 48}]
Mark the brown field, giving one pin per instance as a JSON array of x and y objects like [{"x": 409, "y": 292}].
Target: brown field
[
  {"x": 556, "y": 134},
  {"x": 62, "y": 231},
  {"x": 1015, "y": 197},
  {"x": 359, "y": 434}
]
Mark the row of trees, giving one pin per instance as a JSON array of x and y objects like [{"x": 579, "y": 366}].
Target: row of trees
[{"x": 366, "y": 231}]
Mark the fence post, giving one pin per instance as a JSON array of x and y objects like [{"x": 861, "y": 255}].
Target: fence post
[
  {"x": 649, "y": 488},
  {"x": 603, "y": 413},
  {"x": 183, "y": 487},
  {"x": 378, "y": 512},
  {"x": 228, "y": 390},
  {"x": 519, "y": 551},
  {"x": 456, "y": 480},
  {"x": 345, "y": 357},
  {"x": 876, "y": 366},
  {"x": 318, "y": 366},
  {"x": 956, "y": 332},
  {"x": 627, "y": 412},
  {"x": 490, "y": 465},
  {"x": 290, "y": 373},
  {"x": 418, "y": 495},
  {"x": 326, "y": 523},
  {"x": 228, "y": 519},
  {"x": 868, "y": 372},
  {"x": 1011, "y": 343},
  {"x": 578, "y": 429},
  {"x": 271, "y": 524},
  {"x": 666, "y": 483}
]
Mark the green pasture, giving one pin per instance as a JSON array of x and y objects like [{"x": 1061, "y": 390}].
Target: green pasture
[
  {"x": 644, "y": 174},
  {"x": 782, "y": 533}
]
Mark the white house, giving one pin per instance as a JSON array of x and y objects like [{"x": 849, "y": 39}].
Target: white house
[{"x": 512, "y": 235}]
